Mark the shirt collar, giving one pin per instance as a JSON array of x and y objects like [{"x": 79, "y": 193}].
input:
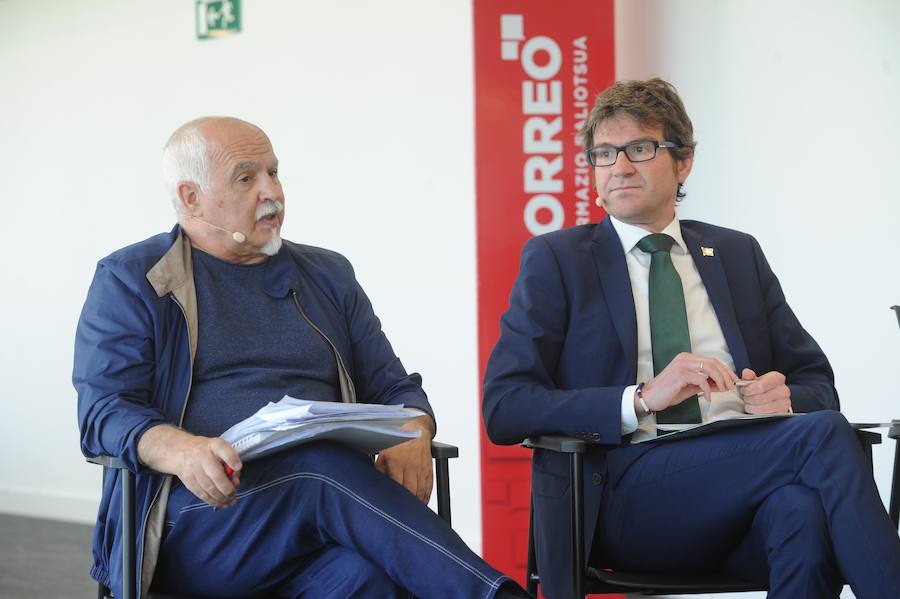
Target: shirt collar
[{"x": 629, "y": 235}]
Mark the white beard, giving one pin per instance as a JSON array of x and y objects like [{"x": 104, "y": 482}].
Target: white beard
[{"x": 271, "y": 247}]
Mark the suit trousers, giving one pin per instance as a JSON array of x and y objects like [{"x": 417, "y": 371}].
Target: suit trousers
[
  {"x": 790, "y": 502},
  {"x": 316, "y": 521}
]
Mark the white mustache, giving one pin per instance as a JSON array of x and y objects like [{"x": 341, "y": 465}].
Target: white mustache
[{"x": 269, "y": 207}]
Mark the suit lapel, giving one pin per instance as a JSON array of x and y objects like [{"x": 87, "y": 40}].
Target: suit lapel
[
  {"x": 609, "y": 260},
  {"x": 712, "y": 273}
]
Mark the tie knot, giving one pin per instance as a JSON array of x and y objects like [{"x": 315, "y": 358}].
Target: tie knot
[{"x": 657, "y": 242}]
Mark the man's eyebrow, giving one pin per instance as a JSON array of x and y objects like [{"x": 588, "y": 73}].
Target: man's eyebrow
[{"x": 242, "y": 166}]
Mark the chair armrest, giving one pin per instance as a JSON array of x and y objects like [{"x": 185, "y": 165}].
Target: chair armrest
[
  {"x": 894, "y": 431},
  {"x": 443, "y": 451},
  {"x": 555, "y": 443},
  {"x": 867, "y": 438},
  {"x": 108, "y": 462}
]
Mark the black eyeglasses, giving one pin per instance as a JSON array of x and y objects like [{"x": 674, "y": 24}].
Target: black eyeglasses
[{"x": 637, "y": 151}]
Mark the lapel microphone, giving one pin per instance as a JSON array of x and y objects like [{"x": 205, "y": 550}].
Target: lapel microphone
[{"x": 236, "y": 235}]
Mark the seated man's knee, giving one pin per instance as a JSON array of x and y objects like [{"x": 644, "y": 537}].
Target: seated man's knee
[
  {"x": 827, "y": 424},
  {"x": 830, "y": 419}
]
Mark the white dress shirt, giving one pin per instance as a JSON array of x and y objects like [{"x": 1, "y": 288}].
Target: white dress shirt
[{"x": 706, "y": 334}]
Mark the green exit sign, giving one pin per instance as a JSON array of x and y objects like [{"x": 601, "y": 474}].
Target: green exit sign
[{"x": 218, "y": 18}]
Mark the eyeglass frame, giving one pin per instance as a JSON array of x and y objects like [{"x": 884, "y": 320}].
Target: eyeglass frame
[{"x": 619, "y": 149}]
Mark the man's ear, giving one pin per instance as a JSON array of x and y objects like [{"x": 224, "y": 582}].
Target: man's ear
[
  {"x": 188, "y": 197},
  {"x": 683, "y": 168}
]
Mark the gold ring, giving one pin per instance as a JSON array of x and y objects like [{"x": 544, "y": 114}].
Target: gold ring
[{"x": 701, "y": 368}]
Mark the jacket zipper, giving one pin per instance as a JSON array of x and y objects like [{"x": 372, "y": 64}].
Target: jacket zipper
[{"x": 334, "y": 349}]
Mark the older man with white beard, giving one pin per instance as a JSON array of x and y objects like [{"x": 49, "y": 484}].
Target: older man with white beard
[{"x": 186, "y": 333}]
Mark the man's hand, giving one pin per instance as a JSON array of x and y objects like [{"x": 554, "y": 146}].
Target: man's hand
[
  {"x": 686, "y": 376},
  {"x": 410, "y": 463},
  {"x": 767, "y": 394},
  {"x": 199, "y": 462}
]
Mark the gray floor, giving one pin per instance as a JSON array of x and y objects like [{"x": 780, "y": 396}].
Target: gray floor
[{"x": 44, "y": 559}]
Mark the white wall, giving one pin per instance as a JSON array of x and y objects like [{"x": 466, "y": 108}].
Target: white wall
[
  {"x": 369, "y": 107},
  {"x": 795, "y": 107}
]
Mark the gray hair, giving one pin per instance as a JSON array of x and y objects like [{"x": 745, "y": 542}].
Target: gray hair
[{"x": 185, "y": 158}]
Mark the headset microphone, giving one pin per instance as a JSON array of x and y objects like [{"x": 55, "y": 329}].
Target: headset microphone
[{"x": 236, "y": 235}]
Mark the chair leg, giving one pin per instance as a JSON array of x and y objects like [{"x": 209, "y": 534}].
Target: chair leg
[
  {"x": 531, "y": 574},
  {"x": 103, "y": 591},
  {"x": 128, "y": 556},
  {"x": 577, "y": 524},
  {"x": 894, "y": 509},
  {"x": 442, "y": 473}
]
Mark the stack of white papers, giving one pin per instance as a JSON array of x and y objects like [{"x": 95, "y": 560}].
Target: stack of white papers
[{"x": 366, "y": 427}]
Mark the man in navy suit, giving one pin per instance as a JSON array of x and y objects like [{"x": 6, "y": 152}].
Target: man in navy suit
[{"x": 582, "y": 352}]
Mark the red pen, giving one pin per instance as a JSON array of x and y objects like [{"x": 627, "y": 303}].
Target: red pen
[{"x": 228, "y": 471}]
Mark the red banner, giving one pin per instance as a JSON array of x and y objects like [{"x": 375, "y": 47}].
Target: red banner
[{"x": 538, "y": 67}]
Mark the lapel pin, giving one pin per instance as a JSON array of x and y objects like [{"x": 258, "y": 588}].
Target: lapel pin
[{"x": 707, "y": 252}]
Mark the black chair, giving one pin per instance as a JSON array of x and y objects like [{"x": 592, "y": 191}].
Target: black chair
[
  {"x": 589, "y": 580},
  {"x": 441, "y": 452}
]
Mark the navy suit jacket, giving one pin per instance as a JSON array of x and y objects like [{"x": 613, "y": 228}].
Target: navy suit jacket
[{"x": 568, "y": 349}]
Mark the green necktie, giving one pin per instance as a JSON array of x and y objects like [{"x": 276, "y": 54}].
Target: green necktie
[{"x": 669, "y": 334}]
